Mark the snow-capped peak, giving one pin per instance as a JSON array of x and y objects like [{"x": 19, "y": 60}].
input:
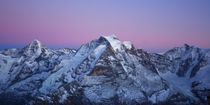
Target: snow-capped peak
[
  {"x": 34, "y": 48},
  {"x": 128, "y": 44},
  {"x": 114, "y": 42},
  {"x": 36, "y": 43}
]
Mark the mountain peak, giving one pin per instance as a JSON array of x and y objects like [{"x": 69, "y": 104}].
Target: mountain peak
[
  {"x": 113, "y": 41},
  {"x": 128, "y": 44},
  {"x": 116, "y": 43},
  {"x": 186, "y": 45},
  {"x": 35, "y": 47},
  {"x": 110, "y": 36},
  {"x": 35, "y": 42}
]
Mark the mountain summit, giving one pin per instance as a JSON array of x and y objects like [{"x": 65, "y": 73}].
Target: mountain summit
[
  {"x": 104, "y": 71},
  {"x": 34, "y": 48}
]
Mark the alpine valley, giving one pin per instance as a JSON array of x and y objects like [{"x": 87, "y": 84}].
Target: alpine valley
[{"x": 105, "y": 71}]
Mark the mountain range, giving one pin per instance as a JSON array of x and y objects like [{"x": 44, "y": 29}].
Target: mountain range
[{"x": 105, "y": 71}]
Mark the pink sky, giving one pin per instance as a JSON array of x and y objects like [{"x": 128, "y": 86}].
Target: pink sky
[{"x": 152, "y": 25}]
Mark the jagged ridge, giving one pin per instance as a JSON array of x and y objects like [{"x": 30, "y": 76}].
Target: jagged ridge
[{"x": 105, "y": 71}]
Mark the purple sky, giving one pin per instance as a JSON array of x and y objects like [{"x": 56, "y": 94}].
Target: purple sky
[{"x": 154, "y": 25}]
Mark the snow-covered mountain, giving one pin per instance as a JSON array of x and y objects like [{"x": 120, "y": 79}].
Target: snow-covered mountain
[{"x": 104, "y": 71}]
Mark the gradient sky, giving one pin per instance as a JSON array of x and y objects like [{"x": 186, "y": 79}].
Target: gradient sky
[{"x": 155, "y": 25}]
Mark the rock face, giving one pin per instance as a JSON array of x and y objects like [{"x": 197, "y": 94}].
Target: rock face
[{"x": 105, "y": 71}]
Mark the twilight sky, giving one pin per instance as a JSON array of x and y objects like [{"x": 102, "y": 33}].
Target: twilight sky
[{"x": 155, "y": 25}]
